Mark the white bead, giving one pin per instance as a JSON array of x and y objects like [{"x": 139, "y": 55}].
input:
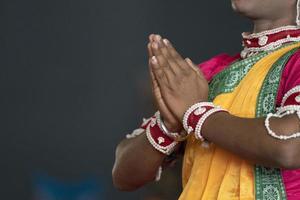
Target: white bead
[
  {"x": 297, "y": 99},
  {"x": 161, "y": 140},
  {"x": 201, "y": 121},
  {"x": 289, "y": 93},
  {"x": 282, "y": 112},
  {"x": 268, "y": 32},
  {"x": 263, "y": 40},
  {"x": 190, "y": 129},
  {"x": 165, "y": 150},
  {"x": 135, "y": 133},
  {"x": 190, "y": 110},
  {"x": 199, "y": 111}
]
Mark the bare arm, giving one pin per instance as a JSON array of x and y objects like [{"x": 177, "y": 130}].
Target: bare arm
[
  {"x": 249, "y": 139},
  {"x": 136, "y": 163},
  {"x": 181, "y": 87}
]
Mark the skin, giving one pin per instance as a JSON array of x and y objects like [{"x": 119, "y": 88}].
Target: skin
[{"x": 177, "y": 84}]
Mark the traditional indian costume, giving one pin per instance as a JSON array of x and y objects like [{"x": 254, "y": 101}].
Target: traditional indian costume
[{"x": 249, "y": 85}]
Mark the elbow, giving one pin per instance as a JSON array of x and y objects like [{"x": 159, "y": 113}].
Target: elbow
[
  {"x": 125, "y": 183},
  {"x": 122, "y": 177},
  {"x": 288, "y": 156},
  {"x": 122, "y": 184}
]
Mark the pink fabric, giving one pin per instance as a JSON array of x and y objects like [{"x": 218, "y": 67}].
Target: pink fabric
[
  {"x": 291, "y": 180},
  {"x": 290, "y": 76},
  {"x": 216, "y": 64},
  {"x": 290, "y": 79}
]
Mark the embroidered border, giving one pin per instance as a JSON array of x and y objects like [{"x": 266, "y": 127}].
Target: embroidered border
[
  {"x": 228, "y": 79},
  {"x": 268, "y": 181}
]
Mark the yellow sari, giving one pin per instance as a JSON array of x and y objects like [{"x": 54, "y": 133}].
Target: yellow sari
[{"x": 214, "y": 173}]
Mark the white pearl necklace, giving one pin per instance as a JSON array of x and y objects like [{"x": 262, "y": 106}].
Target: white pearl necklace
[
  {"x": 263, "y": 39},
  {"x": 269, "y": 32}
]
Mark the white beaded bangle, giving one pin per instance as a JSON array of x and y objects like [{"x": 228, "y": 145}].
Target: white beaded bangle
[
  {"x": 189, "y": 112},
  {"x": 165, "y": 150},
  {"x": 179, "y": 137},
  {"x": 289, "y": 93},
  {"x": 201, "y": 121},
  {"x": 284, "y": 112},
  {"x": 135, "y": 133}
]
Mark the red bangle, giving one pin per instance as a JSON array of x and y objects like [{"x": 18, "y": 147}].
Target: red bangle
[{"x": 158, "y": 139}]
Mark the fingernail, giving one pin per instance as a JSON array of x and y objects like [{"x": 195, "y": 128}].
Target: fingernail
[
  {"x": 157, "y": 38},
  {"x": 154, "y": 45},
  {"x": 154, "y": 60},
  {"x": 189, "y": 61},
  {"x": 166, "y": 42},
  {"x": 151, "y": 37}
]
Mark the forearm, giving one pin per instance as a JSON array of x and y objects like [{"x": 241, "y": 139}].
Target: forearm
[
  {"x": 249, "y": 139},
  {"x": 136, "y": 163}
]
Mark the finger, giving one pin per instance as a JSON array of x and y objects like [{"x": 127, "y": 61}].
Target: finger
[
  {"x": 150, "y": 53},
  {"x": 191, "y": 64},
  {"x": 156, "y": 46},
  {"x": 151, "y": 37},
  {"x": 154, "y": 85},
  {"x": 177, "y": 57},
  {"x": 152, "y": 76},
  {"x": 157, "y": 71},
  {"x": 162, "y": 62},
  {"x": 169, "y": 58},
  {"x": 195, "y": 67}
]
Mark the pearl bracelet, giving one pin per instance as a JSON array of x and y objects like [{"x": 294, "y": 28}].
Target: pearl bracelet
[
  {"x": 158, "y": 139},
  {"x": 201, "y": 121},
  {"x": 178, "y": 137},
  {"x": 187, "y": 114},
  {"x": 196, "y": 115},
  {"x": 283, "y": 111}
]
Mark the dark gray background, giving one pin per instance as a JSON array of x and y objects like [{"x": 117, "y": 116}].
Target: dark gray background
[{"x": 74, "y": 80}]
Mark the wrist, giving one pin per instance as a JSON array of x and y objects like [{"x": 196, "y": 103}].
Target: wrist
[
  {"x": 211, "y": 121},
  {"x": 195, "y": 117},
  {"x": 157, "y": 138},
  {"x": 172, "y": 127},
  {"x": 176, "y": 133}
]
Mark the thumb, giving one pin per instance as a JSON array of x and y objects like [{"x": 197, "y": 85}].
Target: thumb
[{"x": 194, "y": 67}]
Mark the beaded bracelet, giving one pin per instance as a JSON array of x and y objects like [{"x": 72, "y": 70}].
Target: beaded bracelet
[
  {"x": 198, "y": 109},
  {"x": 290, "y": 104},
  {"x": 178, "y": 137},
  {"x": 196, "y": 115},
  {"x": 139, "y": 131},
  {"x": 279, "y": 114},
  {"x": 158, "y": 139}
]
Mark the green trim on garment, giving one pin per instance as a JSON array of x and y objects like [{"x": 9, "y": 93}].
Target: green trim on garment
[
  {"x": 227, "y": 80},
  {"x": 268, "y": 181}
]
